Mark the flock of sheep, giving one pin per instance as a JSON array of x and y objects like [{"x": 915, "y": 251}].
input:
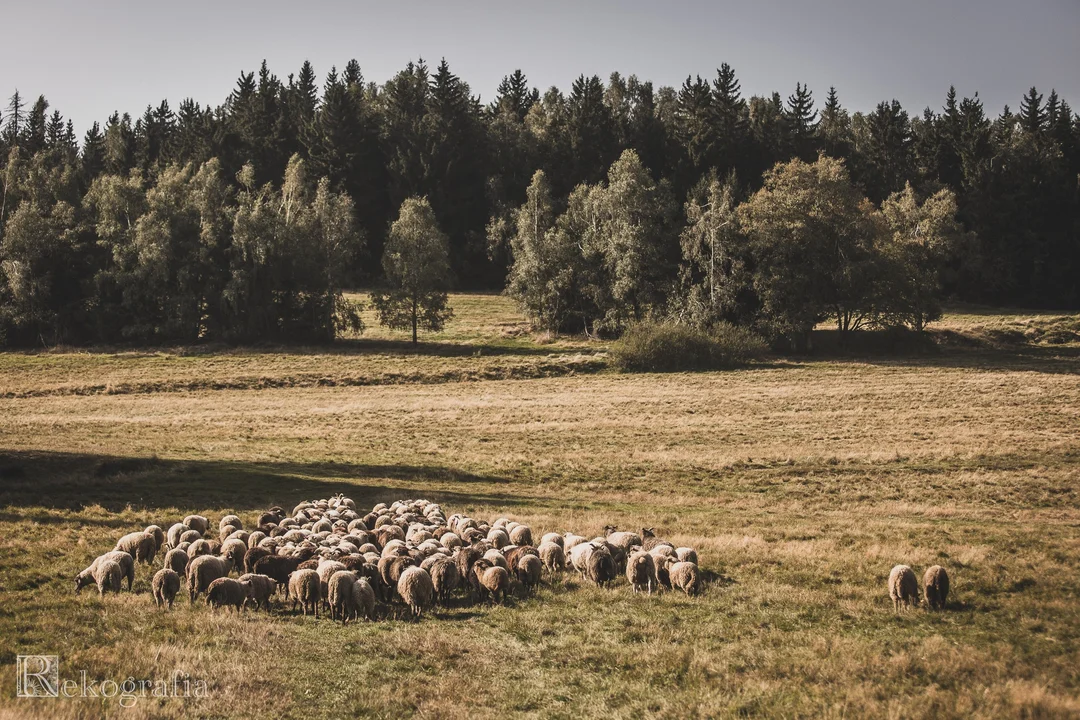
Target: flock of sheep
[{"x": 325, "y": 553}]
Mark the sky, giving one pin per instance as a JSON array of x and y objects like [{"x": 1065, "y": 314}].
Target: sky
[{"x": 90, "y": 58}]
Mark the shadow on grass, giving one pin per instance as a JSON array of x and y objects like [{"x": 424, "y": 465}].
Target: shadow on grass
[{"x": 70, "y": 481}]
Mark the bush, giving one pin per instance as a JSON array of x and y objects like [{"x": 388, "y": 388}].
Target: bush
[{"x": 664, "y": 347}]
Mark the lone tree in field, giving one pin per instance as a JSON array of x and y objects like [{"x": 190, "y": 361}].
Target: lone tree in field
[{"x": 417, "y": 266}]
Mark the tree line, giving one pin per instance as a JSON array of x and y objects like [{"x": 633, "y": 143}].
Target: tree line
[{"x": 597, "y": 207}]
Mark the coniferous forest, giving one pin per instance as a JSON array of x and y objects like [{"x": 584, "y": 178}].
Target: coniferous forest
[{"x": 609, "y": 204}]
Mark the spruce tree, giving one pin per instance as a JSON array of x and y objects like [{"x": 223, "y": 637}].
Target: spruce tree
[{"x": 1032, "y": 113}]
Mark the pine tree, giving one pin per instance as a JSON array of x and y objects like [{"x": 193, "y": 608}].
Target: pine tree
[
  {"x": 694, "y": 125},
  {"x": 515, "y": 96},
  {"x": 16, "y": 117},
  {"x": 34, "y": 131},
  {"x": 729, "y": 120},
  {"x": 591, "y": 130},
  {"x": 1032, "y": 113},
  {"x": 834, "y": 128},
  {"x": 802, "y": 121},
  {"x": 93, "y": 155}
]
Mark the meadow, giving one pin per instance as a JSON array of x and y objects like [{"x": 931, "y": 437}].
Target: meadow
[{"x": 800, "y": 481}]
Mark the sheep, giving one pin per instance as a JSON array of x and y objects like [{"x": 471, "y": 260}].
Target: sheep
[
  {"x": 198, "y": 523},
  {"x": 495, "y": 557},
  {"x": 197, "y": 548},
  {"x": 570, "y": 541},
  {"x": 445, "y": 578},
  {"x": 159, "y": 536},
  {"x": 177, "y": 561},
  {"x": 600, "y": 566},
  {"x": 340, "y": 598},
  {"x": 684, "y": 576},
  {"x": 260, "y": 589},
  {"x": 649, "y": 540},
  {"x": 141, "y": 546},
  {"x": 661, "y": 563},
  {"x": 903, "y": 587},
  {"x": 89, "y": 575},
  {"x": 190, "y": 536},
  {"x": 232, "y": 520},
  {"x": 236, "y": 550},
  {"x": 252, "y": 556},
  {"x": 498, "y": 538},
  {"x": 579, "y": 556},
  {"x": 204, "y": 570},
  {"x": 513, "y": 555},
  {"x": 390, "y": 572},
  {"x": 641, "y": 572},
  {"x": 936, "y": 587},
  {"x": 551, "y": 554},
  {"x": 363, "y": 599},
  {"x": 105, "y": 573},
  {"x": 175, "y": 531},
  {"x": 416, "y": 589},
  {"x": 529, "y": 568},
  {"x": 624, "y": 540},
  {"x": 228, "y": 593},
  {"x": 304, "y": 588},
  {"x": 521, "y": 535},
  {"x": 494, "y": 581},
  {"x": 165, "y": 586},
  {"x": 685, "y": 554},
  {"x": 552, "y": 537},
  {"x": 279, "y": 567}
]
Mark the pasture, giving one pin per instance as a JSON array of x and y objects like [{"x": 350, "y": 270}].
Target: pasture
[{"x": 800, "y": 482}]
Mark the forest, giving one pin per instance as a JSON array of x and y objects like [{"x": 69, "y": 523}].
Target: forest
[{"x": 595, "y": 209}]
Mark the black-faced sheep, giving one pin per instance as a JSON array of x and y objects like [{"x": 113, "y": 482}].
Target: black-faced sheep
[
  {"x": 641, "y": 572},
  {"x": 226, "y": 592},
  {"x": 416, "y": 589},
  {"x": 684, "y": 576},
  {"x": 260, "y": 589},
  {"x": 936, "y": 587},
  {"x": 165, "y": 586},
  {"x": 141, "y": 546},
  {"x": 204, "y": 570},
  {"x": 304, "y": 589},
  {"x": 903, "y": 587}
]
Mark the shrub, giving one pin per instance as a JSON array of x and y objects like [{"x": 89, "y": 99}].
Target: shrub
[{"x": 664, "y": 347}]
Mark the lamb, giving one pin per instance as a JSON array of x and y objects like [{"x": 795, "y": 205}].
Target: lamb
[
  {"x": 684, "y": 576},
  {"x": 936, "y": 587},
  {"x": 340, "y": 598},
  {"x": 165, "y": 586},
  {"x": 177, "y": 560},
  {"x": 141, "y": 546},
  {"x": 903, "y": 587},
  {"x": 105, "y": 573},
  {"x": 260, "y": 589},
  {"x": 552, "y": 556},
  {"x": 304, "y": 589},
  {"x": 445, "y": 578},
  {"x": 203, "y": 571},
  {"x": 226, "y": 592},
  {"x": 529, "y": 569},
  {"x": 126, "y": 563},
  {"x": 363, "y": 598},
  {"x": 416, "y": 589},
  {"x": 641, "y": 572}
]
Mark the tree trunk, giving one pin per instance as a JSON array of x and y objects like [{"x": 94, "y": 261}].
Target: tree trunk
[{"x": 414, "y": 320}]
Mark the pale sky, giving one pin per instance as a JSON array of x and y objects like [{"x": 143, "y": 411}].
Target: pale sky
[{"x": 90, "y": 58}]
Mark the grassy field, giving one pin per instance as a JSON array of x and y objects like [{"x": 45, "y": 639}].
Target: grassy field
[{"x": 801, "y": 482}]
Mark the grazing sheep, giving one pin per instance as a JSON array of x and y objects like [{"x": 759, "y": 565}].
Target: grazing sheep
[
  {"x": 624, "y": 540},
  {"x": 165, "y": 586},
  {"x": 89, "y": 575},
  {"x": 498, "y": 538},
  {"x": 684, "y": 576},
  {"x": 177, "y": 560},
  {"x": 445, "y": 578},
  {"x": 203, "y": 571},
  {"x": 494, "y": 582},
  {"x": 641, "y": 572},
  {"x": 495, "y": 557},
  {"x": 236, "y": 550},
  {"x": 252, "y": 555},
  {"x": 198, "y": 523},
  {"x": 340, "y": 598},
  {"x": 514, "y": 554},
  {"x": 552, "y": 537},
  {"x": 141, "y": 546},
  {"x": 570, "y": 541},
  {"x": 416, "y": 589},
  {"x": 936, "y": 587},
  {"x": 529, "y": 569},
  {"x": 685, "y": 554},
  {"x": 226, "y": 592},
  {"x": 579, "y": 556},
  {"x": 551, "y": 554},
  {"x": 304, "y": 588},
  {"x": 175, "y": 531},
  {"x": 662, "y": 563},
  {"x": 390, "y": 572},
  {"x": 190, "y": 536},
  {"x": 197, "y": 548},
  {"x": 159, "y": 536},
  {"x": 650, "y": 541},
  {"x": 903, "y": 587},
  {"x": 280, "y": 567},
  {"x": 232, "y": 520},
  {"x": 363, "y": 599},
  {"x": 260, "y": 589},
  {"x": 600, "y": 566},
  {"x": 326, "y": 570},
  {"x": 521, "y": 535},
  {"x": 105, "y": 573}
]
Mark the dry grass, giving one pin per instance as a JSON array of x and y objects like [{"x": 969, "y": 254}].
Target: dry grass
[{"x": 800, "y": 483}]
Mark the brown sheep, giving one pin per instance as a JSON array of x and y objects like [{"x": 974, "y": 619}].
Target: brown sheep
[
  {"x": 226, "y": 592},
  {"x": 529, "y": 569},
  {"x": 203, "y": 571},
  {"x": 494, "y": 582},
  {"x": 936, "y": 587},
  {"x": 446, "y": 578},
  {"x": 165, "y": 586}
]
